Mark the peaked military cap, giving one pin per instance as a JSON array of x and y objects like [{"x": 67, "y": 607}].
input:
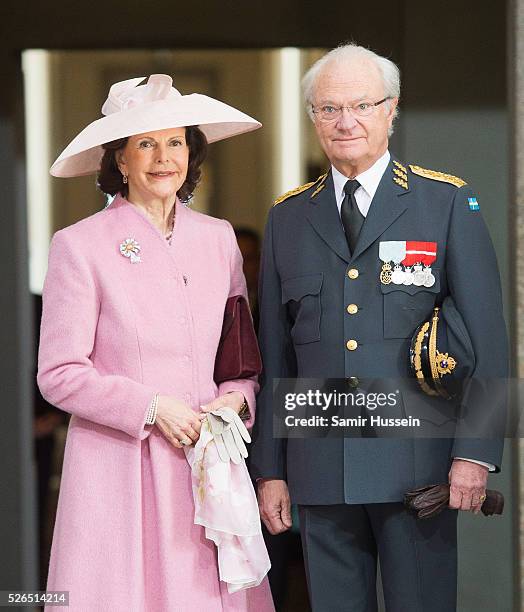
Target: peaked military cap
[{"x": 441, "y": 353}]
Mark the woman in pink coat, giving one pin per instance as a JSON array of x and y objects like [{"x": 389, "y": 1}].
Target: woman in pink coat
[{"x": 132, "y": 313}]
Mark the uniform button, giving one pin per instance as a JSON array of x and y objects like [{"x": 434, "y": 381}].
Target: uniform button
[
  {"x": 351, "y": 345},
  {"x": 187, "y": 397},
  {"x": 353, "y": 382},
  {"x": 182, "y": 320},
  {"x": 187, "y": 358},
  {"x": 353, "y": 273},
  {"x": 352, "y": 309}
]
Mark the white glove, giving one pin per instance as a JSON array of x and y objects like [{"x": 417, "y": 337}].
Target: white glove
[{"x": 229, "y": 433}]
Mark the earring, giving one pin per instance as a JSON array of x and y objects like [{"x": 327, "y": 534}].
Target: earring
[{"x": 124, "y": 179}]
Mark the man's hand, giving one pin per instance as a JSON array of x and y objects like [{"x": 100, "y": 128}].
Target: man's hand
[
  {"x": 274, "y": 505},
  {"x": 467, "y": 485}
]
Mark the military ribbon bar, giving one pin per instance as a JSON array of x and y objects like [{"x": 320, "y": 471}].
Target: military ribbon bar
[
  {"x": 420, "y": 252},
  {"x": 392, "y": 250}
]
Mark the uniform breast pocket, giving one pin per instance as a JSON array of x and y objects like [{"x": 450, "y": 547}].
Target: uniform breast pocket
[
  {"x": 301, "y": 294},
  {"x": 405, "y": 306}
]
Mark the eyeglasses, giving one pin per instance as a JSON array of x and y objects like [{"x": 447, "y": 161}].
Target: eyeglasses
[{"x": 328, "y": 112}]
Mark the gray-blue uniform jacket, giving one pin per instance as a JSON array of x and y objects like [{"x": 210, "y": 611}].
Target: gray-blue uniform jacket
[{"x": 308, "y": 280}]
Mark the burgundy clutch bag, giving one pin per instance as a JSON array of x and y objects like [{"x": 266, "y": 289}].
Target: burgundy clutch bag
[{"x": 237, "y": 354}]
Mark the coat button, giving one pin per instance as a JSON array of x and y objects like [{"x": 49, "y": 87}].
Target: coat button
[
  {"x": 352, "y": 309},
  {"x": 351, "y": 345},
  {"x": 182, "y": 320},
  {"x": 353, "y": 382},
  {"x": 353, "y": 273}
]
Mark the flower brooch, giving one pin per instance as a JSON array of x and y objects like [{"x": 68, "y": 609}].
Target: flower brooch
[{"x": 131, "y": 249}]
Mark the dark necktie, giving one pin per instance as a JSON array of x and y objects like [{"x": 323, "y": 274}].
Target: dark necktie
[{"x": 352, "y": 218}]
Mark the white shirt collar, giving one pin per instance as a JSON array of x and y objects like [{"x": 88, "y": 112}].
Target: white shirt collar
[{"x": 368, "y": 180}]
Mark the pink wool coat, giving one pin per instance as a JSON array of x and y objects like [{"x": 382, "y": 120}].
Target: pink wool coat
[{"x": 113, "y": 334}]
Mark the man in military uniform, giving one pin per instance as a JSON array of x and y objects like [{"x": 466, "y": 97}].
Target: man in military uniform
[{"x": 351, "y": 265}]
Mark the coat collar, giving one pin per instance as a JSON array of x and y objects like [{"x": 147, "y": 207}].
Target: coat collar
[
  {"x": 131, "y": 216},
  {"x": 323, "y": 215},
  {"x": 386, "y": 207},
  {"x": 132, "y": 223}
]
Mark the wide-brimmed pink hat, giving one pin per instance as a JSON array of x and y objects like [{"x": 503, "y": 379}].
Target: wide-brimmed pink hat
[{"x": 132, "y": 109}]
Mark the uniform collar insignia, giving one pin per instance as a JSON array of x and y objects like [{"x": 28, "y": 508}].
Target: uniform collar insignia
[
  {"x": 400, "y": 174},
  {"x": 321, "y": 183}
]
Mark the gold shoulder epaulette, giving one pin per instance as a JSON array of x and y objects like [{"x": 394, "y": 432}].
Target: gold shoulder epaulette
[
  {"x": 298, "y": 190},
  {"x": 437, "y": 176}
]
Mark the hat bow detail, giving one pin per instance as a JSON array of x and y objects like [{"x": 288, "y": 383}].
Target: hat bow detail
[{"x": 129, "y": 94}]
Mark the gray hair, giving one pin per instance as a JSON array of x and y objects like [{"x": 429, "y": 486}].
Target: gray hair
[{"x": 346, "y": 53}]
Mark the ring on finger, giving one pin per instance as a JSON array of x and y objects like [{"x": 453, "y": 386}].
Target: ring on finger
[
  {"x": 192, "y": 434},
  {"x": 482, "y": 498},
  {"x": 186, "y": 442},
  {"x": 178, "y": 441}
]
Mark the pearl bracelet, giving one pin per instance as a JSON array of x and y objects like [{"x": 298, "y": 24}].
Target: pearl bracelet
[{"x": 151, "y": 413}]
